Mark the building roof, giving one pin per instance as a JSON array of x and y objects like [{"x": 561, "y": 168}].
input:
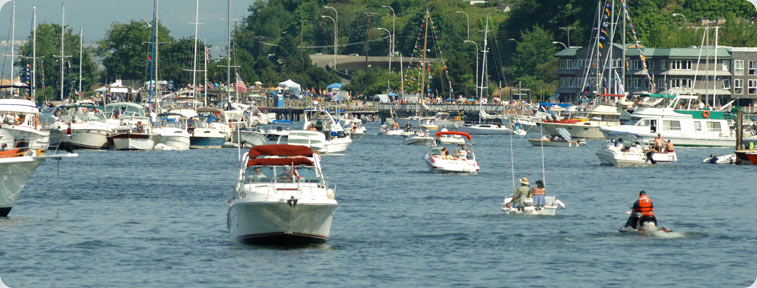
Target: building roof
[
  {"x": 569, "y": 52},
  {"x": 680, "y": 53}
]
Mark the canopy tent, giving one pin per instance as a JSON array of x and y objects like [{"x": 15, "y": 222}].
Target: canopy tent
[
  {"x": 291, "y": 86},
  {"x": 335, "y": 85},
  {"x": 393, "y": 94}
]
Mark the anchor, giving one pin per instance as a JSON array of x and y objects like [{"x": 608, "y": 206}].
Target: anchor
[{"x": 292, "y": 202}]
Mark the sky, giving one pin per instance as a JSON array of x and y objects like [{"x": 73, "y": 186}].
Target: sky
[{"x": 96, "y": 16}]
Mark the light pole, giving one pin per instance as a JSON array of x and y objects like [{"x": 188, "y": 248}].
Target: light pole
[
  {"x": 567, "y": 29},
  {"x": 679, "y": 14},
  {"x": 558, "y": 42},
  {"x": 390, "y": 43},
  {"x": 335, "y": 38},
  {"x": 468, "y": 21},
  {"x": 475, "y": 80},
  {"x": 368, "y": 37},
  {"x": 336, "y": 31},
  {"x": 391, "y": 38}
]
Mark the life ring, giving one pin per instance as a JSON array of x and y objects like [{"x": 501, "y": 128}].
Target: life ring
[{"x": 706, "y": 114}]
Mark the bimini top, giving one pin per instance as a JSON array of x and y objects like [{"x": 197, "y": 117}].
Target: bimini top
[
  {"x": 440, "y": 133},
  {"x": 280, "y": 161},
  {"x": 280, "y": 150}
]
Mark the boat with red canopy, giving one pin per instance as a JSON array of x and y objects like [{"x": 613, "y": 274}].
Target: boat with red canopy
[
  {"x": 281, "y": 198},
  {"x": 460, "y": 159}
]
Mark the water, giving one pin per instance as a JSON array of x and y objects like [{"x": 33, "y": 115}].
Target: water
[{"x": 158, "y": 219}]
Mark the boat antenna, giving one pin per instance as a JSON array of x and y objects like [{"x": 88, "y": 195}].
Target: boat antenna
[
  {"x": 543, "y": 170},
  {"x": 512, "y": 160}
]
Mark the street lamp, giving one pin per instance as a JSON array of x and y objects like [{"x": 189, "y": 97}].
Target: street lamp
[
  {"x": 335, "y": 38},
  {"x": 567, "y": 29},
  {"x": 679, "y": 14},
  {"x": 468, "y": 21},
  {"x": 475, "y": 80},
  {"x": 391, "y": 38},
  {"x": 558, "y": 42},
  {"x": 336, "y": 31},
  {"x": 390, "y": 43}
]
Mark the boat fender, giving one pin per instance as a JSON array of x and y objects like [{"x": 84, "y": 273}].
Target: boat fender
[
  {"x": 558, "y": 202},
  {"x": 706, "y": 114},
  {"x": 292, "y": 202}
]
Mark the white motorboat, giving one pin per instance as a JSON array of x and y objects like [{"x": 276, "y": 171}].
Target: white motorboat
[
  {"x": 683, "y": 127},
  {"x": 243, "y": 132},
  {"x": 279, "y": 132},
  {"x": 117, "y": 110},
  {"x": 443, "y": 120},
  {"x": 208, "y": 129},
  {"x": 134, "y": 133},
  {"x": 353, "y": 126},
  {"x": 20, "y": 126},
  {"x": 562, "y": 140},
  {"x": 551, "y": 203},
  {"x": 615, "y": 156},
  {"x": 281, "y": 198},
  {"x": 490, "y": 129},
  {"x": 420, "y": 138},
  {"x": 600, "y": 115},
  {"x": 722, "y": 159},
  {"x": 171, "y": 131},
  {"x": 77, "y": 126},
  {"x": 460, "y": 161},
  {"x": 16, "y": 166},
  {"x": 452, "y": 139},
  {"x": 332, "y": 138}
]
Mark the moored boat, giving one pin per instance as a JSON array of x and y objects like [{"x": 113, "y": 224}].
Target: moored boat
[{"x": 462, "y": 160}]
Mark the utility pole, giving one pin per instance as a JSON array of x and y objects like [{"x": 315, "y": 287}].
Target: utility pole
[{"x": 368, "y": 37}]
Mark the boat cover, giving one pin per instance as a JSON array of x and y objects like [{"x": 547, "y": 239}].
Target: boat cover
[
  {"x": 280, "y": 161},
  {"x": 280, "y": 150},
  {"x": 440, "y": 133}
]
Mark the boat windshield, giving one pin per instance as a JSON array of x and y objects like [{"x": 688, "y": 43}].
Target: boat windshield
[
  {"x": 172, "y": 123},
  {"x": 281, "y": 174},
  {"x": 81, "y": 114}
]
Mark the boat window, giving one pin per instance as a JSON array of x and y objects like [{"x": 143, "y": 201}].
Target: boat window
[
  {"x": 697, "y": 125},
  {"x": 642, "y": 122},
  {"x": 258, "y": 174},
  {"x": 713, "y": 126},
  {"x": 308, "y": 174},
  {"x": 671, "y": 125}
]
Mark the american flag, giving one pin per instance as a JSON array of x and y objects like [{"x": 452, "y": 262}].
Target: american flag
[{"x": 240, "y": 86}]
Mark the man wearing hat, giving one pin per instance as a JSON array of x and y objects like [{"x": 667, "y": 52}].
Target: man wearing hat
[
  {"x": 642, "y": 211},
  {"x": 520, "y": 194}
]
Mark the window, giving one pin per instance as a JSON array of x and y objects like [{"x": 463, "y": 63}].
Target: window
[
  {"x": 752, "y": 88},
  {"x": 726, "y": 65},
  {"x": 713, "y": 126},
  {"x": 680, "y": 83},
  {"x": 637, "y": 82},
  {"x": 738, "y": 67},
  {"x": 738, "y": 86},
  {"x": 681, "y": 65},
  {"x": 664, "y": 65},
  {"x": 563, "y": 63},
  {"x": 636, "y": 64},
  {"x": 569, "y": 64},
  {"x": 698, "y": 126},
  {"x": 726, "y": 84},
  {"x": 651, "y": 65},
  {"x": 672, "y": 125},
  {"x": 752, "y": 67}
]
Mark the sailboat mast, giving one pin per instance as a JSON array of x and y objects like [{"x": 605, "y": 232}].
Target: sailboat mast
[
  {"x": 205, "y": 75},
  {"x": 81, "y": 52},
  {"x": 62, "y": 57},
  {"x": 152, "y": 58},
  {"x": 34, "y": 53},
  {"x": 228, "y": 50},
  {"x": 157, "y": 55},
  {"x": 715, "y": 72},
  {"x": 425, "y": 64},
  {"x": 194, "y": 60},
  {"x": 623, "y": 75},
  {"x": 13, "y": 42},
  {"x": 610, "y": 77},
  {"x": 484, "y": 77}
]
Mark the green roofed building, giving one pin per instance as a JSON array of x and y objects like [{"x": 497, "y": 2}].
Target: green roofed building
[{"x": 672, "y": 71}]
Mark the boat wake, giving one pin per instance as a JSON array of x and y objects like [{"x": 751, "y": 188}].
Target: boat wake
[{"x": 666, "y": 235}]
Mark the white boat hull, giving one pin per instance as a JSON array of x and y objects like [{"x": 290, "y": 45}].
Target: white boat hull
[
  {"x": 551, "y": 204},
  {"x": 550, "y": 143},
  {"x": 128, "y": 142},
  {"x": 178, "y": 142},
  {"x": 37, "y": 139},
  {"x": 249, "y": 137},
  {"x": 439, "y": 165},
  {"x": 317, "y": 141},
  {"x": 420, "y": 140},
  {"x": 15, "y": 172},
  {"x": 488, "y": 129},
  {"x": 80, "y": 138},
  {"x": 280, "y": 222},
  {"x": 615, "y": 157},
  {"x": 582, "y": 130}
]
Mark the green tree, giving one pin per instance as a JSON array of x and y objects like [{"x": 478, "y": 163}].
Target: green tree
[
  {"x": 126, "y": 48},
  {"x": 48, "y": 63}
]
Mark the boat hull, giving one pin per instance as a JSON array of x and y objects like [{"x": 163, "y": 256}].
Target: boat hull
[
  {"x": 200, "y": 142},
  {"x": 280, "y": 222},
  {"x": 15, "y": 172},
  {"x": 551, "y": 204},
  {"x": 251, "y": 138},
  {"x": 615, "y": 157},
  {"x": 80, "y": 139},
  {"x": 486, "y": 129},
  {"x": 179, "y": 142},
  {"x": 440, "y": 165},
  {"x": 549, "y": 143},
  {"x": 583, "y": 130},
  {"x": 133, "y": 142}
]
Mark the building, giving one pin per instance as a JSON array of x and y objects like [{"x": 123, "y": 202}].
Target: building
[{"x": 672, "y": 70}]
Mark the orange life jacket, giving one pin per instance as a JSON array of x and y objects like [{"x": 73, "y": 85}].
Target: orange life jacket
[{"x": 645, "y": 206}]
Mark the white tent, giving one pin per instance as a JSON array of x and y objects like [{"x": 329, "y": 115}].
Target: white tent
[{"x": 291, "y": 86}]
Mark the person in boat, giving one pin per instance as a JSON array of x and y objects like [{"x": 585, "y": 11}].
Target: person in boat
[
  {"x": 538, "y": 194},
  {"x": 139, "y": 128},
  {"x": 396, "y": 126},
  {"x": 408, "y": 127},
  {"x": 642, "y": 211},
  {"x": 610, "y": 144},
  {"x": 635, "y": 147},
  {"x": 659, "y": 143},
  {"x": 444, "y": 129},
  {"x": 619, "y": 144},
  {"x": 463, "y": 152},
  {"x": 669, "y": 146},
  {"x": 258, "y": 175},
  {"x": 445, "y": 153},
  {"x": 520, "y": 194},
  {"x": 287, "y": 176}
]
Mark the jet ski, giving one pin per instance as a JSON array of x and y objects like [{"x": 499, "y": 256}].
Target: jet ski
[
  {"x": 722, "y": 159},
  {"x": 645, "y": 227}
]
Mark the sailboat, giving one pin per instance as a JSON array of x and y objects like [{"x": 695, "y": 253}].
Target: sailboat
[{"x": 551, "y": 203}]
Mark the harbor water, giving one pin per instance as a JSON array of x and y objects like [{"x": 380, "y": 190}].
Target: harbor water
[{"x": 158, "y": 219}]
